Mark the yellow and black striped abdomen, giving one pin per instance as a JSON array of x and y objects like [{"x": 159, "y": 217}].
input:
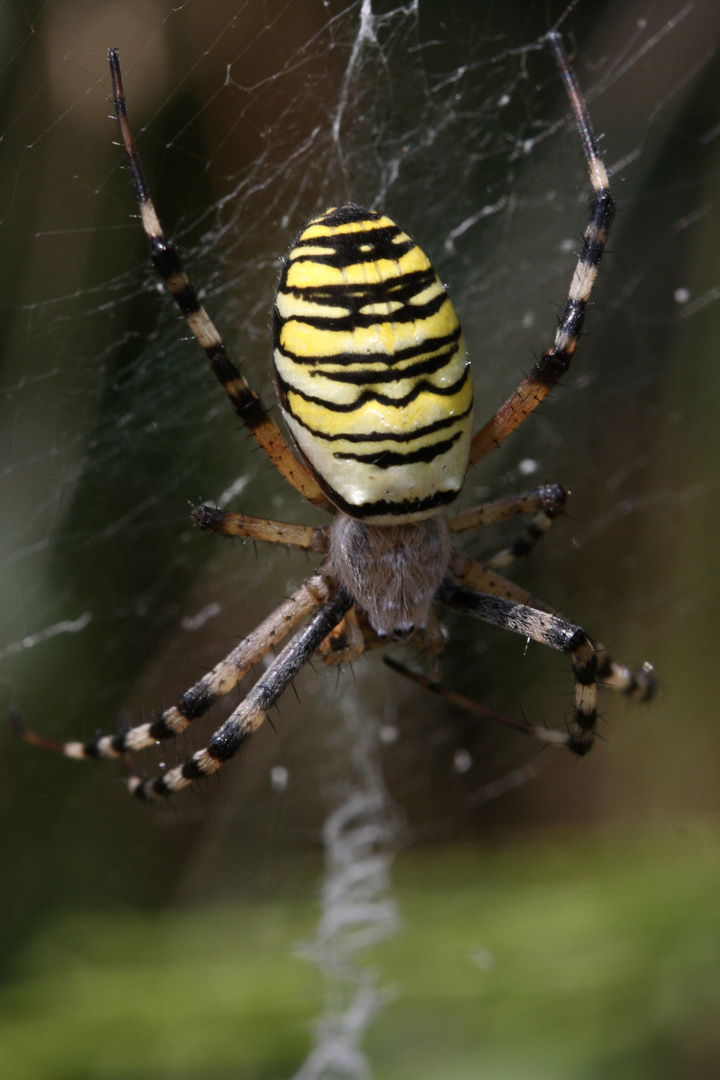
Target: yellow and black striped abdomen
[{"x": 371, "y": 368}]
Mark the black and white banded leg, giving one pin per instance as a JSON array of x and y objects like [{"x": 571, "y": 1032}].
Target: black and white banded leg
[
  {"x": 254, "y": 708},
  {"x": 640, "y": 685},
  {"x": 196, "y": 701},
  {"x": 545, "y": 503},
  {"x": 555, "y": 361},
  {"x": 549, "y": 630},
  {"x": 166, "y": 261}
]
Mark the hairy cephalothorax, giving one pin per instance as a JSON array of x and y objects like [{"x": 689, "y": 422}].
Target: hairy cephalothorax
[
  {"x": 374, "y": 384},
  {"x": 392, "y": 572}
]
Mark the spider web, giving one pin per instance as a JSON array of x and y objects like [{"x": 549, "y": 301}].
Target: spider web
[{"x": 249, "y": 118}]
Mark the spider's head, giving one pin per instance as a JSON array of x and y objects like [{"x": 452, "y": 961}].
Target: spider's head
[{"x": 392, "y": 572}]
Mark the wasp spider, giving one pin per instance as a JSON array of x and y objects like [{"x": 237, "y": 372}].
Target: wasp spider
[{"x": 375, "y": 388}]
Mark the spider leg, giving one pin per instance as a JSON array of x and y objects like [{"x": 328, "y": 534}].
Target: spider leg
[
  {"x": 212, "y": 519},
  {"x": 476, "y": 576},
  {"x": 430, "y": 643},
  {"x": 640, "y": 685},
  {"x": 523, "y": 544},
  {"x": 555, "y": 361},
  {"x": 548, "y": 499},
  {"x": 210, "y": 689},
  {"x": 250, "y": 714},
  {"x": 166, "y": 260},
  {"x": 546, "y": 503},
  {"x": 548, "y": 630},
  {"x": 509, "y": 782},
  {"x": 345, "y": 643},
  {"x": 546, "y": 735}
]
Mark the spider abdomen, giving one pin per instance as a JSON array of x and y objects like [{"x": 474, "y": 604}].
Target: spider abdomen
[{"x": 371, "y": 368}]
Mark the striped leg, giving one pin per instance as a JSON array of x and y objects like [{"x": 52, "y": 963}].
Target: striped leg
[
  {"x": 248, "y": 717},
  {"x": 474, "y": 575},
  {"x": 555, "y": 361},
  {"x": 641, "y": 684},
  {"x": 548, "y": 630},
  {"x": 211, "y": 688},
  {"x": 166, "y": 260},
  {"x": 546, "y": 503},
  {"x": 347, "y": 641}
]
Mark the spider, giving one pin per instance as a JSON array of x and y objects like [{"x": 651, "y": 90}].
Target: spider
[{"x": 374, "y": 385}]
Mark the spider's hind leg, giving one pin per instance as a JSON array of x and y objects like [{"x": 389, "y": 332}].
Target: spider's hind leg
[
  {"x": 640, "y": 685},
  {"x": 196, "y": 701},
  {"x": 549, "y": 630},
  {"x": 252, "y": 711},
  {"x": 538, "y": 731}
]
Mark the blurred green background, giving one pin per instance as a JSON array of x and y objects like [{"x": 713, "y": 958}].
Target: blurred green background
[{"x": 567, "y": 929}]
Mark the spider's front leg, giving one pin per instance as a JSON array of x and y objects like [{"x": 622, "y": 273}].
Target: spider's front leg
[
  {"x": 537, "y": 731},
  {"x": 244, "y": 400},
  {"x": 555, "y": 361}
]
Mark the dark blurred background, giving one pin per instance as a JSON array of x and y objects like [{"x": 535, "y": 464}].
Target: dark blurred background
[{"x": 249, "y": 118}]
